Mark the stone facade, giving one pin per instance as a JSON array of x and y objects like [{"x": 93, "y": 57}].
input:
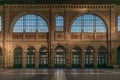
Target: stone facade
[{"x": 9, "y": 40}]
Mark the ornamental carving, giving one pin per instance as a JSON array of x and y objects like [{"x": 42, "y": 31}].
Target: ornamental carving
[{"x": 17, "y": 36}]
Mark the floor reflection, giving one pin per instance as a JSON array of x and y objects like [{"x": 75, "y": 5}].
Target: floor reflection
[{"x": 59, "y": 75}]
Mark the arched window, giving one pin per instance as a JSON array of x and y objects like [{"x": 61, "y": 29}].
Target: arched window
[
  {"x": 18, "y": 57},
  {"x": 43, "y": 57},
  {"x": 59, "y": 23},
  {"x": 30, "y": 23},
  {"x": 60, "y": 57},
  {"x": 30, "y": 58},
  {"x": 118, "y": 23},
  {"x": 76, "y": 57},
  {"x": 89, "y": 57},
  {"x": 88, "y": 23},
  {"x": 102, "y": 57},
  {"x": 0, "y": 23}
]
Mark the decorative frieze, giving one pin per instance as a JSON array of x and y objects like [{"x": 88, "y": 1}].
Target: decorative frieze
[
  {"x": 100, "y": 37},
  {"x": 42, "y": 36},
  {"x": 30, "y": 36},
  {"x": 17, "y": 36},
  {"x": 59, "y": 36},
  {"x": 74, "y": 36},
  {"x": 88, "y": 37}
]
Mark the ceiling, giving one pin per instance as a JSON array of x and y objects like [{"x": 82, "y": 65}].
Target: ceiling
[{"x": 59, "y": 1}]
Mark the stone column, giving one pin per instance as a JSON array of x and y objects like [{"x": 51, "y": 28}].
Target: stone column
[
  {"x": 52, "y": 58},
  {"x": 69, "y": 58},
  {"x": 6, "y": 37},
  {"x": 37, "y": 59},
  {"x": 24, "y": 60},
  {"x": 83, "y": 58},
  {"x": 95, "y": 58}
]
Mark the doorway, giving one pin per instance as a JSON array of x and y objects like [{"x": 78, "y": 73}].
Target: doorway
[
  {"x": 30, "y": 58},
  {"x": 60, "y": 57}
]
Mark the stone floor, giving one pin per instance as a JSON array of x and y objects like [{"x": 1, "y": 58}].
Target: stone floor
[{"x": 60, "y": 74}]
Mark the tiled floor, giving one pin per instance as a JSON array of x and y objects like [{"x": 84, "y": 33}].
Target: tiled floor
[{"x": 60, "y": 74}]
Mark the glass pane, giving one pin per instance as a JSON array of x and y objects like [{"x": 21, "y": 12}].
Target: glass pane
[{"x": 118, "y": 23}]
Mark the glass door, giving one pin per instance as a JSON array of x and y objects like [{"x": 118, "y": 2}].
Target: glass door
[
  {"x": 30, "y": 58},
  {"x": 76, "y": 57},
  {"x": 89, "y": 57},
  {"x": 60, "y": 57},
  {"x": 102, "y": 60},
  {"x": 18, "y": 58},
  {"x": 43, "y": 58}
]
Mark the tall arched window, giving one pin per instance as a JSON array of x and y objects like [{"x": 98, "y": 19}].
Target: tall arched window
[
  {"x": 118, "y": 56},
  {"x": 43, "y": 57},
  {"x": 89, "y": 57},
  {"x": 118, "y": 23},
  {"x": 0, "y": 23},
  {"x": 88, "y": 23},
  {"x": 30, "y": 58},
  {"x": 76, "y": 57},
  {"x": 59, "y": 23},
  {"x": 18, "y": 57},
  {"x": 60, "y": 57},
  {"x": 30, "y": 23},
  {"x": 102, "y": 57}
]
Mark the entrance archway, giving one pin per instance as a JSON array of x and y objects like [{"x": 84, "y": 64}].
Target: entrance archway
[
  {"x": 76, "y": 57},
  {"x": 60, "y": 57},
  {"x": 102, "y": 57},
  {"x": 89, "y": 57},
  {"x": 30, "y": 58},
  {"x": 18, "y": 57},
  {"x": 43, "y": 58}
]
